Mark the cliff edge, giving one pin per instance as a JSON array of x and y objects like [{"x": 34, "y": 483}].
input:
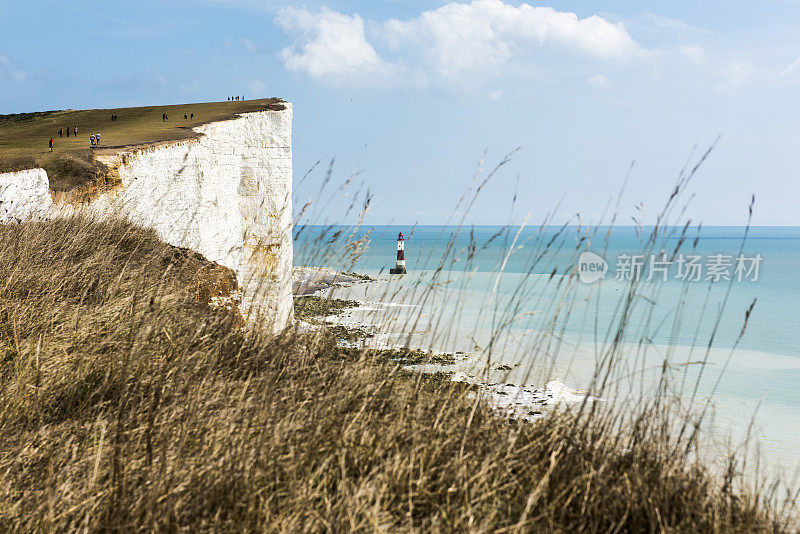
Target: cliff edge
[{"x": 225, "y": 194}]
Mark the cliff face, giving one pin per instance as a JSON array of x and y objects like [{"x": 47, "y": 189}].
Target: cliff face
[
  {"x": 24, "y": 196},
  {"x": 226, "y": 195}
]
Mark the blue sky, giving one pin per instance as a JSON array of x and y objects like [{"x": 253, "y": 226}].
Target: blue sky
[{"x": 408, "y": 95}]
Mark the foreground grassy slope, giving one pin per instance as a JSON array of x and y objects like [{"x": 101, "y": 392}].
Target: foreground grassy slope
[
  {"x": 24, "y": 137},
  {"x": 126, "y": 403}
]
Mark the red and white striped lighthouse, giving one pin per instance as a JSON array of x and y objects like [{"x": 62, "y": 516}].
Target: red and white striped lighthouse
[{"x": 400, "y": 266}]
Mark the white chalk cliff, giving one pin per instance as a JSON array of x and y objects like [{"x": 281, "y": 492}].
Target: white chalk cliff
[
  {"x": 24, "y": 196},
  {"x": 226, "y": 194}
]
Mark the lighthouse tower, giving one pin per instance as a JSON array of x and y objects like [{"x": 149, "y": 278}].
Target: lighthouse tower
[{"x": 400, "y": 266}]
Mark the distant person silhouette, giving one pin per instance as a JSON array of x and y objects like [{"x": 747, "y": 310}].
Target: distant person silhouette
[
  {"x": 185, "y": 117},
  {"x": 97, "y": 139},
  {"x": 67, "y": 131},
  {"x": 192, "y": 116},
  {"x": 76, "y": 131},
  {"x": 51, "y": 144},
  {"x": 91, "y": 140},
  {"x": 60, "y": 132}
]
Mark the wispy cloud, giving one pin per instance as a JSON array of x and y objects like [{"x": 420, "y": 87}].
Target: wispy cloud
[
  {"x": 256, "y": 87},
  {"x": 8, "y": 68},
  {"x": 674, "y": 25},
  {"x": 694, "y": 53},
  {"x": 153, "y": 81},
  {"x": 248, "y": 45},
  {"x": 599, "y": 80},
  {"x": 792, "y": 68},
  {"x": 736, "y": 74},
  {"x": 269, "y": 6}
]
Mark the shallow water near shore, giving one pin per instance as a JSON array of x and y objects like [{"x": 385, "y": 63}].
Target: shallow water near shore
[{"x": 525, "y": 319}]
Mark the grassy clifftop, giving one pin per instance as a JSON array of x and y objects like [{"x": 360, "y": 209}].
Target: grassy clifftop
[
  {"x": 25, "y": 137},
  {"x": 127, "y": 403}
]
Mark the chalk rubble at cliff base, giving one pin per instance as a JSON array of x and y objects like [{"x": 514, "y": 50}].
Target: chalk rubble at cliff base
[
  {"x": 508, "y": 400},
  {"x": 309, "y": 280}
]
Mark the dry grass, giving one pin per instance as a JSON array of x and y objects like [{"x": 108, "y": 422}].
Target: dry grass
[
  {"x": 126, "y": 403},
  {"x": 24, "y": 137},
  {"x": 70, "y": 171}
]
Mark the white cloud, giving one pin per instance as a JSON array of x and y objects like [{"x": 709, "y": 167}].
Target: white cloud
[
  {"x": 599, "y": 81},
  {"x": 8, "y": 68},
  {"x": 478, "y": 37},
  {"x": 694, "y": 53},
  {"x": 486, "y": 33},
  {"x": 329, "y": 44},
  {"x": 792, "y": 68}
]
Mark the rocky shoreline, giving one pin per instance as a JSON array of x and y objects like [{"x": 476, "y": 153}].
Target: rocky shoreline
[
  {"x": 310, "y": 280},
  {"x": 313, "y": 312}
]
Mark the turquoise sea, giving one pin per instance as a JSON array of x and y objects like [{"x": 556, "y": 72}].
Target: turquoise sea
[{"x": 514, "y": 297}]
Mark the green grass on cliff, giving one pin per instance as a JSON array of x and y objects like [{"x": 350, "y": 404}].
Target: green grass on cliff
[
  {"x": 24, "y": 137},
  {"x": 127, "y": 404}
]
